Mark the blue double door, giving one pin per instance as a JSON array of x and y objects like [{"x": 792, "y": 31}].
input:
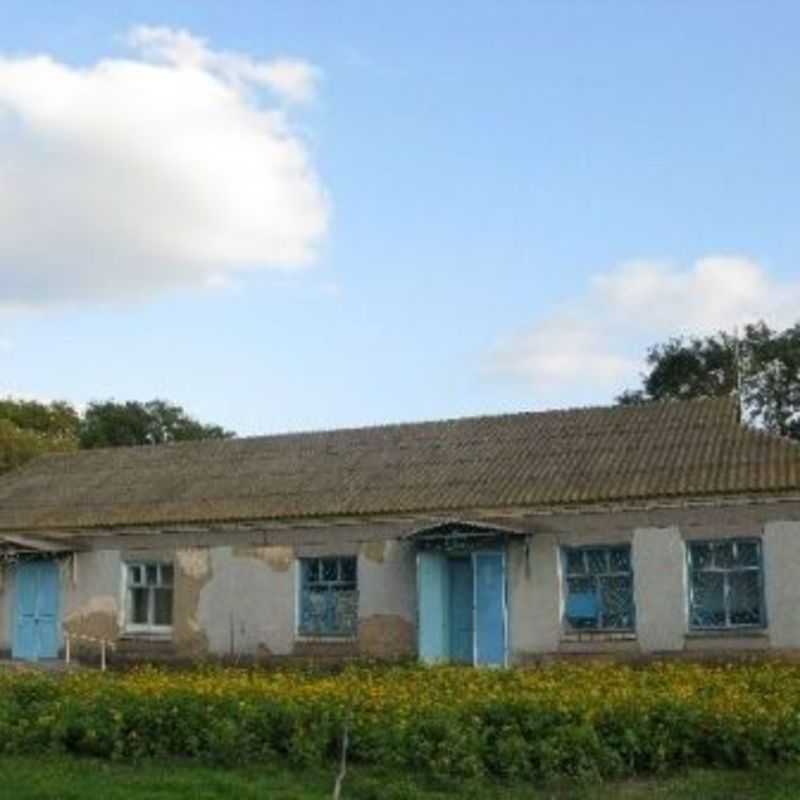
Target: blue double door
[
  {"x": 36, "y": 617},
  {"x": 462, "y": 608}
]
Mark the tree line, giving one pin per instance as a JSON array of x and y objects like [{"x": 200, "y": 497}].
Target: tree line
[
  {"x": 29, "y": 428},
  {"x": 761, "y": 364}
]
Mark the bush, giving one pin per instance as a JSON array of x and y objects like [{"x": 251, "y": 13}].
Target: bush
[{"x": 585, "y": 721}]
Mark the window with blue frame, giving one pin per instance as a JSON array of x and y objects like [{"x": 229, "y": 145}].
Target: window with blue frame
[
  {"x": 329, "y": 596},
  {"x": 726, "y": 584},
  {"x": 598, "y": 588}
]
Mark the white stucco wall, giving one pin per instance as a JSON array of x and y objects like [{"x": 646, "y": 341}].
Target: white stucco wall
[
  {"x": 534, "y": 596},
  {"x": 781, "y": 551},
  {"x": 660, "y": 591}
]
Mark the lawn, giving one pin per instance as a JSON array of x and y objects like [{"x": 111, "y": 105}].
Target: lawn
[{"x": 69, "y": 778}]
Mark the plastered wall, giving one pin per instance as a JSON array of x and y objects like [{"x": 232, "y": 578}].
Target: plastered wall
[
  {"x": 661, "y": 592},
  {"x": 239, "y": 599}
]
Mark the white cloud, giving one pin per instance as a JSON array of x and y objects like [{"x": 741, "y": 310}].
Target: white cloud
[
  {"x": 561, "y": 349},
  {"x": 129, "y": 177},
  {"x": 716, "y": 293},
  {"x": 293, "y": 79},
  {"x": 598, "y": 339}
]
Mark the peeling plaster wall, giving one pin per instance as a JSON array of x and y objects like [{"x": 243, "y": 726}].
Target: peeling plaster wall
[
  {"x": 387, "y": 603},
  {"x": 238, "y": 598},
  {"x": 248, "y": 607},
  {"x": 90, "y": 602},
  {"x": 193, "y": 572}
]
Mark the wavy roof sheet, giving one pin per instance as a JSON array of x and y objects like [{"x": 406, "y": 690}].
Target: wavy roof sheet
[{"x": 539, "y": 460}]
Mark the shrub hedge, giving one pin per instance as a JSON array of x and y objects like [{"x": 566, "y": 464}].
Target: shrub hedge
[{"x": 588, "y": 720}]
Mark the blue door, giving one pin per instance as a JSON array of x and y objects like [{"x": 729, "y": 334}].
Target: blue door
[
  {"x": 36, "y": 617},
  {"x": 490, "y": 609},
  {"x": 432, "y": 606},
  {"x": 461, "y": 599}
]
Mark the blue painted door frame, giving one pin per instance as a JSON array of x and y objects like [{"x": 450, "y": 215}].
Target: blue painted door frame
[
  {"x": 462, "y": 610},
  {"x": 36, "y": 613}
]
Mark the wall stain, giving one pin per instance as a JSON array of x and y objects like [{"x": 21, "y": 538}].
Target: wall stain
[
  {"x": 386, "y": 636},
  {"x": 277, "y": 557},
  {"x": 98, "y": 618},
  {"x": 374, "y": 551},
  {"x": 192, "y": 574}
]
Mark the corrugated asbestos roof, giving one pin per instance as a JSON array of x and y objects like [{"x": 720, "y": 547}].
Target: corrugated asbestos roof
[{"x": 542, "y": 459}]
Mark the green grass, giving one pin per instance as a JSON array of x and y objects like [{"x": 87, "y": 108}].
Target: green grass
[{"x": 67, "y": 778}]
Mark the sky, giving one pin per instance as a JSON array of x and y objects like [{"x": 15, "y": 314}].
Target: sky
[{"x": 304, "y": 215}]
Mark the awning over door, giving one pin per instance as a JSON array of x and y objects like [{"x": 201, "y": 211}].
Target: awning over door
[{"x": 15, "y": 545}]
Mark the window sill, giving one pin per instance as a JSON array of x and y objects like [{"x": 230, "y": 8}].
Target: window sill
[
  {"x": 732, "y": 633},
  {"x": 598, "y": 636},
  {"x": 305, "y": 637},
  {"x": 146, "y": 636}
]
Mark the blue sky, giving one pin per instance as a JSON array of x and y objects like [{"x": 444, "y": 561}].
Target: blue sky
[{"x": 491, "y": 206}]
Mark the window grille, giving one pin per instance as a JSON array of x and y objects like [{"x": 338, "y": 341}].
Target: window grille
[
  {"x": 726, "y": 584},
  {"x": 329, "y": 596},
  {"x": 599, "y": 588}
]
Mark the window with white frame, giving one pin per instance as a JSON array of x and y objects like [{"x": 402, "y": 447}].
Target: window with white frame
[
  {"x": 726, "y": 584},
  {"x": 328, "y": 596},
  {"x": 149, "y": 594},
  {"x": 598, "y": 584}
]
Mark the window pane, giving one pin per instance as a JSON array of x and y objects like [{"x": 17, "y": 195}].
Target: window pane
[
  {"x": 139, "y": 606},
  {"x": 348, "y": 567},
  {"x": 617, "y": 601},
  {"x": 167, "y": 574},
  {"x": 583, "y": 607},
  {"x": 620, "y": 559},
  {"x": 151, "y": 574},
  {"x": 747, "y": 554},
  {"x": 723, "y": 555},
  {"x": 162, "y": 606},
  {"x": 345, "y": 613},
  {"x": 330, "y": 569},
  {"x": 744, "y": 598},
  {"x": 575, "y": 563},
  {"x": 700, "y": 555},
  {"x": 598, "y": 561},
  {"x": 134, "y": 574},
  {"x": 708, "y": 599},
  {"x": 314, "y": 605},
  {"x": 311, "y": 566}
]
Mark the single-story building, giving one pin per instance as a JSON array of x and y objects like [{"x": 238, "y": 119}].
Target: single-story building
[{"x": 658, "y": 529}]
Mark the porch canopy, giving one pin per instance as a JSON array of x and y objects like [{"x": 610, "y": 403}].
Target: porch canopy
[
  {"x": 454, "y": 535},
  {"x": 13, "y": 546}
]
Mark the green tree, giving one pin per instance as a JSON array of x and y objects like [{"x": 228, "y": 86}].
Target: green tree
[
  {"x": 51, "y": 419},
  {"x": 113, "y": 424},
  {"x": 763, "y": 364},
  {"x": 29, "y": 428}
]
